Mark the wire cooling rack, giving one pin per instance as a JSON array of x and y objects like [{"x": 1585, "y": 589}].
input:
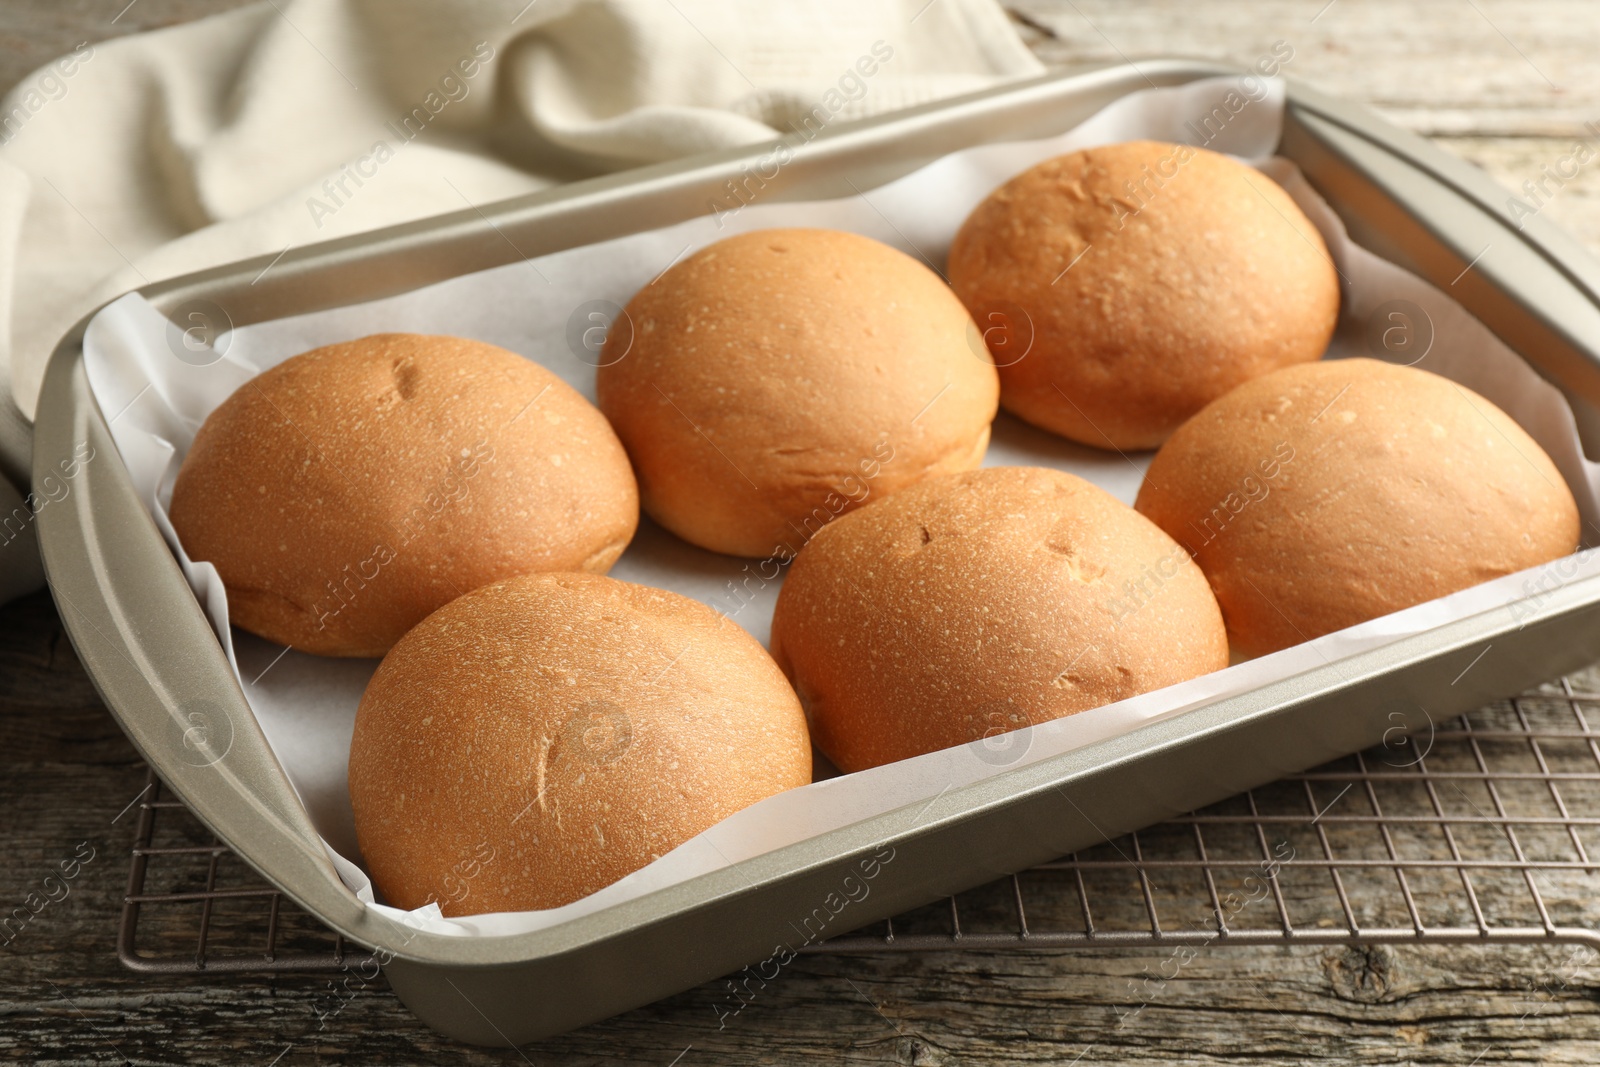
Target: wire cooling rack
[{"x": 1478, "y": 829}]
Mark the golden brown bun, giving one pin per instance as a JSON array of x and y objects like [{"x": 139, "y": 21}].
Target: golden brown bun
[
  {"x": 778, "y": 378},
  {"x": 1195, "y": 275},
  {"x": 1327, "y": 494},
  {"x": 349, "y": 491},
  {"x": 978, "y": 603},
  {"x": 538, "y": 739}
]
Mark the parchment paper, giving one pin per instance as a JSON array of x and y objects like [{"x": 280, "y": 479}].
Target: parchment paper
[{"x": 306, "y": 704}]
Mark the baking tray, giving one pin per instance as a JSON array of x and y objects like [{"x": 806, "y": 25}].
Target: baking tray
[{"x": 148, "y": 647}]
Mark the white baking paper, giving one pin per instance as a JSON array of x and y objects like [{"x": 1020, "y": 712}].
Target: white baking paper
[{"x": 306, "y": 705}]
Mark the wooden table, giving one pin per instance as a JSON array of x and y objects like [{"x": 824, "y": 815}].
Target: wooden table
[{"x": 1509, "y": 85}]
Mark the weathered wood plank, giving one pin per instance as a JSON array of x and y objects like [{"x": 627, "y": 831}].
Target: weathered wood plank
[{"x": 1491, "y": 67}]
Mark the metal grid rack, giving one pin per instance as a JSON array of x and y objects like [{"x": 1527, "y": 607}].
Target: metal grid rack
[{"x": 1473, "y": 830}]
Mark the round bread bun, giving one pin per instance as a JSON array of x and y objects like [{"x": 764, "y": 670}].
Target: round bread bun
[
  {"x": 1323, "y": 495},
  {"x": 1125, "y": 287},
  {"x": 351, "y": 490},
  {"x": 976, "y": 604},
  {"x": 778, "y": 378},
  {"x": 540, "y": 738}
]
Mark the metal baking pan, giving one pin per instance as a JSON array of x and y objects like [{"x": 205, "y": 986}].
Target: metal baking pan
[{"x": 156, "y": 662}]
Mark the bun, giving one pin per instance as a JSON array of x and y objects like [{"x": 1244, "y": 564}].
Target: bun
[
  {"x": 351, "y": 490},
  {"x": 979, "y": 603},
  {"x": 1327, "y": 494},
  {"x": 778, "y": 378},
  {"x": 1142, "y": 280},
  {"x": 593, "y": 726}
]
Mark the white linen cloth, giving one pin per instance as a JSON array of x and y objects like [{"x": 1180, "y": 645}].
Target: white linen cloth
[{"x": 293, "y": 121}]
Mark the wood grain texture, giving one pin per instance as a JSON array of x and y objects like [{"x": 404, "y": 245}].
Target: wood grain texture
[{"x": 1508, "y": 85}]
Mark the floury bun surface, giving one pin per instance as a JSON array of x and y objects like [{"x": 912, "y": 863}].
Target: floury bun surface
[
  {"x": 758, "y": 382},
  {"x": 1324, "y": 495},
  {"x": 975, "y": 604},
  {"x": 351, "y": 490},
  {"x": 1123, "y": 288},
  {"x": 591, "y": 727}
]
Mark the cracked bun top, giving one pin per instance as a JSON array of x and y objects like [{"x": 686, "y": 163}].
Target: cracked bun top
[
  {"x": 1142, "y": 281},
  {"x": 1327, "y": 494},
  {"x": 778, "y": 378},
  {"x": 592, "y": 726},
  {"x": 979, "y": 603},
  {"x": 351, "y": 490}
]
